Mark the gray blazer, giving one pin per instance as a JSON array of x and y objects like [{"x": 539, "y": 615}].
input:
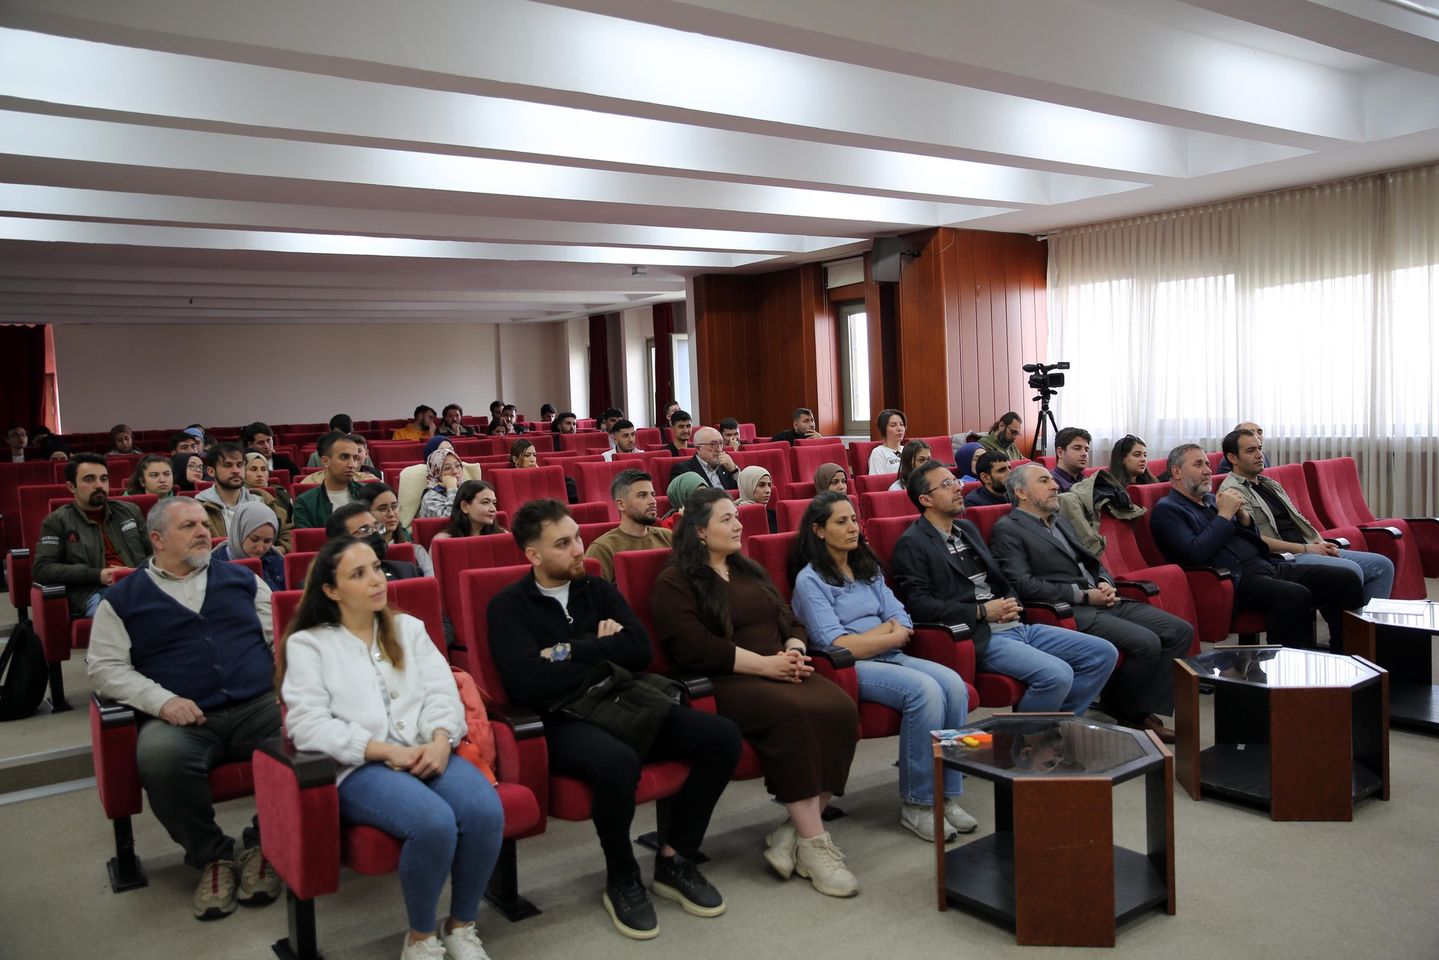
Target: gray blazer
[{"x": 1040, "y": 568}]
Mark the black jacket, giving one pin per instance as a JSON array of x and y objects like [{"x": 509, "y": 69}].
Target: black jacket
[
  {"x": 928, "y": 580},
  {"x": 727, "y": 480},
  {"x": 281, "y": 462},
  {"x": 523, "y": 621}
]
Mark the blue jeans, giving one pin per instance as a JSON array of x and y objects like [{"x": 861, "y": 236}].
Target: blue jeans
[
  {"x": 1375, "y": 569},
  {"x": 92, "y": 602},
  {"x": 1065, "y": 670},
  {"x": 452, "y": 826},
  {"x": 931, "y": 696}
]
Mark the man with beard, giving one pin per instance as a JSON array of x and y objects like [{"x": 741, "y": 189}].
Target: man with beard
[
  {"x": 633, "y": 492},
  {"x": 341, "y": 458},
  {"x": 622, "y": 440},
  {"x": 681, "y": 426},
  {"x": 83, "y": 543},
  {"x": 355, "y": 520},
  {"x": 1041, "y": 555},
  {"x": 548, "y": 631},
  {"x": 225, "y": 464},
  {"x": 1193, "y": 527},
  {"x": 565, "y": 422},
  {"x": 188, "y": 643},
  {"x": 1072, "y": 445},
  {"x": 992, "y": 469}
]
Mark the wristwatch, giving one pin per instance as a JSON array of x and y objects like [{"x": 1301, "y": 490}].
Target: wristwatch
[{"x": 560, "y": 652}]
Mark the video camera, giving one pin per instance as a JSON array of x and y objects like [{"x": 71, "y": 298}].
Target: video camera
[{"x": 1042, "y": 377}]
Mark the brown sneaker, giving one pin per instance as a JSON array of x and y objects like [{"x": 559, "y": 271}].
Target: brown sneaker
[
  {"x": 215, "y": 896},
  {"x": 259, "y": 884}
]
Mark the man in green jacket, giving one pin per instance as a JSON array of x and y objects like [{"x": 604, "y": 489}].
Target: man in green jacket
[
  {"x": 1003, "y": 435},
  {"x": 83, "y": 543},
  {"x": 340, "y": 458}
]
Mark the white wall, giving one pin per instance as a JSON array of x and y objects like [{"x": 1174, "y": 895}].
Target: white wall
[
  {"x": 155, "y": 376},
  {"x": 637, "y": 326}
]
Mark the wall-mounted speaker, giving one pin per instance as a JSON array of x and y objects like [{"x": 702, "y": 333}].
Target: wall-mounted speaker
[{"x": 885, "y": 260}]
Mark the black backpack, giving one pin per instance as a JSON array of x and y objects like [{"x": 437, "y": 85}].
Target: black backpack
[{"x": 23, "y": 673}]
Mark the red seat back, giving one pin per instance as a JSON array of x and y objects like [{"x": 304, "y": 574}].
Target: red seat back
[
  {"x": 590, "y": 531},
  {"x": 788, "y": 513},
  {"x": 890, "y": 503},
  {"x": 635, "y": 575},
  {"x": 819, "y": 442},
  {"x": 662, "y": 469},
  {"x": 423, "y": 529},
  {"x": 13, "y": 476},
  {"x": 596, "y": 441},
  {"x": 772, "y": 551},
  {"x": 308, "y": 538},
  {"x": 35, "y": 507},
  {"x": 1215, "y": 459},
  {"x": 806, "y": 458},
  {"x": 1334, "y": 489},
  {"x": 595, "y": 478},
  {"x": 859, "y": 452},
  {"x": 986, "y": 517},
  {"x": 515, "y": 487},
  {"x": 775, "y": 461},
  {"x": 1122, "y": 553},
  {"x": 799, "y": 490},
  {"x": 420, "y": 598},
  {"x": 873, "y": 483},
  {"x": 883, "y": 533},
  {"x": 941, "y": 449},
  {"x": 1146, "y": 495},
  {"x": 452, "y": 556}
]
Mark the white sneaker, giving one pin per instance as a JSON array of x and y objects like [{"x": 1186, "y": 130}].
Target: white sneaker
[
  {"x": 957, "y": 817},
  {"x": 918, "y": 819},
  {"x": 463, "y": 943},
  {"x": 779, "y": 850},
  {"x": 429, "y": 948},
  {"x": 818, "y": 860}
]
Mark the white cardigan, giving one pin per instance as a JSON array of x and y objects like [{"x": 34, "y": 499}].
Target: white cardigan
[{"x": 339, "y": 697}]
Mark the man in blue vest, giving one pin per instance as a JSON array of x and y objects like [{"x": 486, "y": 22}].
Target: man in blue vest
[{"x": 187, "y": 643}]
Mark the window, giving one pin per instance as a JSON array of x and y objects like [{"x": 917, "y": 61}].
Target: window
[{"x": 854, "y": 367}]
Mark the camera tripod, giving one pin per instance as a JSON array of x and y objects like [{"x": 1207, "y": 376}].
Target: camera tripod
[{"x": 1046, "y": 420}]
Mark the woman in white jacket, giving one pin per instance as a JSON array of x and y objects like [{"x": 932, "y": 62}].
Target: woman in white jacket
[{"x": 370, "y": 689}]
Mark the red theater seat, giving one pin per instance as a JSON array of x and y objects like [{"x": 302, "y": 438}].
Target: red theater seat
[{"x": 1335, "y": 491}]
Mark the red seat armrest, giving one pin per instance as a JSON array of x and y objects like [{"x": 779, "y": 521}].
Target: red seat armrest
[
  {"x": 1051, "y": 614},
  {"x": 17, "y": 577},
  {"x": 520, "y": 750},
  {"x": 1213, "y": 590},
  {"x": 299, "y": 809},
  {"x": 1137, "y": 589},
  {"x": 836, "y": 664},
  {"x": 113, "y": 733},
  {"x": 949, "y": 644},
  {"x": 50, "y": 611}
]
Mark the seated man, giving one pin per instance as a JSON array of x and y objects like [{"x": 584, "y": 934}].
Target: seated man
[
  {"x": 366, "y": 472},
  {"x": 189, "y": 440},
  {"x": 608, "y": 418},
  {"x": 422, "y": 427},
  {"x": 565, "y": 422},
  {"x": 1284, "y": 529},
  {"x": 122, "y": 441},
  {"x": 801, "y": 427},
  {"x": 84, "y": 543},
  {"x": 497, "y": 409},
  {"x": 1002, "y": 436},
  {"x": 187, "y": 643},
  {"x": 729, "y": 430},
  {"x": 1072, "y": 446},
  {"x": 681, "y": 427},
  {"x": 1042, "y": 556},
  {"x": 1224, "y": 465},
  {"x": 355, "y": 519},
  {"x": 17, "y": 438},
  {"x": 547, "y": 412},
  {"x": 633, "y": 492},
  {"x": 511, "y": 415},
  {"x": 1193, "y": 527},
  {"x": 992, "y": 470},
  {"x": 450, "y": 425},
  {"x": 339, "y": 423},
  {"x": 622, "y": 440},
  {"x": 259, "y": 436},
  {"x": 714, "y": 466},
  {"x": 944, "y": 573},
  {"x": 340, "y": 457},
  {"x": 547, "y": 633},
  {"x": 225, "y": 464}
]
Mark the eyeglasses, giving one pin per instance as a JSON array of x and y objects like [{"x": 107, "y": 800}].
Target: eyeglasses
[
  {"x": 947, "y": 483},
  {"x": 368, "y": 529},
  {"x": 711, "y": 444}
]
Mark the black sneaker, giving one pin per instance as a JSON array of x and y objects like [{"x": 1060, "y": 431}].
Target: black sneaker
[
  {"x": 629, "y": 907},
  {"x": 681, "y": 881}
]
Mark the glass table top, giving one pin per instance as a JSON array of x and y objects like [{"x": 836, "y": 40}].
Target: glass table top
[
  {"x": 1280, "y": 667},
  {"x": 1050, "y": 746},
  {"x": 1412, "y": 614}
]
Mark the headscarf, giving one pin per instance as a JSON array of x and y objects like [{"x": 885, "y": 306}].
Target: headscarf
[
  {"x": 435, "y": 466},
  {"x": 964, "y": 459},
  {"x": 681, "y": 487},
  {"x": 179, "y": 465},
  {"x": 749, "y": 479},
  {"x": 824, "y": 476},
  {"x": 255, "y": 455},
  {"x": 435, "y": 442},
  {"x": 248, "y": 517}
]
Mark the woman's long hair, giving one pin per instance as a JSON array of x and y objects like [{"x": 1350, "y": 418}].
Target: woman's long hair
[
  {"x": 459, "y": 525},
  {"x": 1122, "y": 448},
  {"x": 318, "y": 610},
  {"x": 137, "y": 479},
  {"x": 692, "y": 558},
  {"x": 906, "y": 459},
  {"x": 517, "y": 450},
  {"x": 811, "y": 550}
]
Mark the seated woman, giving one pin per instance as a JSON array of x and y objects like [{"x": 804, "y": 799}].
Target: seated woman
[
  {"x": 916, "y": 454},
  {"x": 1106, "y": 490},
  {"x": 474, "y": 512},
  {"x": 498, "y": 428},
  {"x": 885, "y": 457},
  {"x": 756, "y": 486},
  {"x": 966, "y": 458},
  {"x": 257, "y": 477},
  {"x": 153, "y": 474},
  {"x": 677, "y": 493},
  {"x": 370, "y": 689},
  {"x": 443, "y": 474},
  {"x": 253, "y": 528},
  {"x": 188, "y": 470},
  {"x": 841, "y": 598},
  {"x": 717, "y": 612},
  {"x": 522, "y": 454},
  {"x": 385, "y": 505},
  {"x": 831, "y": 476}
]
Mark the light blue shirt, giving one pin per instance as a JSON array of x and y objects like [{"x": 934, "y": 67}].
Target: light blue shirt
[{"x": 829, "y": 612}]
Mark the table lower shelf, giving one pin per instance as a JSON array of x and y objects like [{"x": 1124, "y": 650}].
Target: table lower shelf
[
  {"x": 1414, "y": 705},
  {"x": 980, "y": 876},
  {"x": 1241, "y": 772}
]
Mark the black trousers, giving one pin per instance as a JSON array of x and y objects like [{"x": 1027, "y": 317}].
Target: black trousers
[
  {"x": 1150, "y": 639},
  {"x": 709, "y": 743},
  {"x": 1289, "y": 596}
]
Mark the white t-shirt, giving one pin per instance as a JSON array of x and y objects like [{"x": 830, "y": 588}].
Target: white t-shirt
[
  {"x": 883, "y": 460},
  {"x": 560, "y": 594},
  {"x": 338, "y": 498}
]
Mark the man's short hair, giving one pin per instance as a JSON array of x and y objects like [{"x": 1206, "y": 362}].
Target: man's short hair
[
  {"x": 508, "y": 407},
  {"x": 249, "y": 433},
  {"x": 529, "y": 520},
  {"x": 448, "y": 407},
  {"x": 342, "y": 423},
  {"x": 555, "y": 423},
  {"x": 620, "y": 485},
  {"x": 1177, "y": 455},
  {"x": 621, "y": 424},
  {"x": 1230, "y": 443},
  {"x": 335, "y": 526},
  {"x": 987, "y": 461},
  {"x": 1068, "y": 435},
  {"x": 158, "y": 519},
  {"x": 419, "y": 412},
  {"x": 1016, "y": 479},
  {"x": 328, "y": 441},
  {"x": 729, "y": 423},
  {"x": 679, "y": 416},
  {"x": 221, "y": 450},
  {"x": 917, "y": 485},
  {"x": 181, "y": 436},
  {"x": 72, "y": 469},
  {"x": 547, "y": 408},
  {"x": 800, "y": 412},
  {"x": 612, "y": 412},
  {"x": 120, "y": 428}
]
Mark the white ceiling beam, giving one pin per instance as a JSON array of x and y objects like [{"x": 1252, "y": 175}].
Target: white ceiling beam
[{"x": 15, "y": 289}]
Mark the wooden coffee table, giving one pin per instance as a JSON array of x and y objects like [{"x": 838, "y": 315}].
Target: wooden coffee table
[
  {"x": 1051, "y": 869},
  {"x": 1396, "y": 635},
  {"x": 1302, "y": 733}
]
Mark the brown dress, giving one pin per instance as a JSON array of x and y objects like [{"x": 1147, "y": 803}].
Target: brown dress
[{"x": 804, "y": 733}]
